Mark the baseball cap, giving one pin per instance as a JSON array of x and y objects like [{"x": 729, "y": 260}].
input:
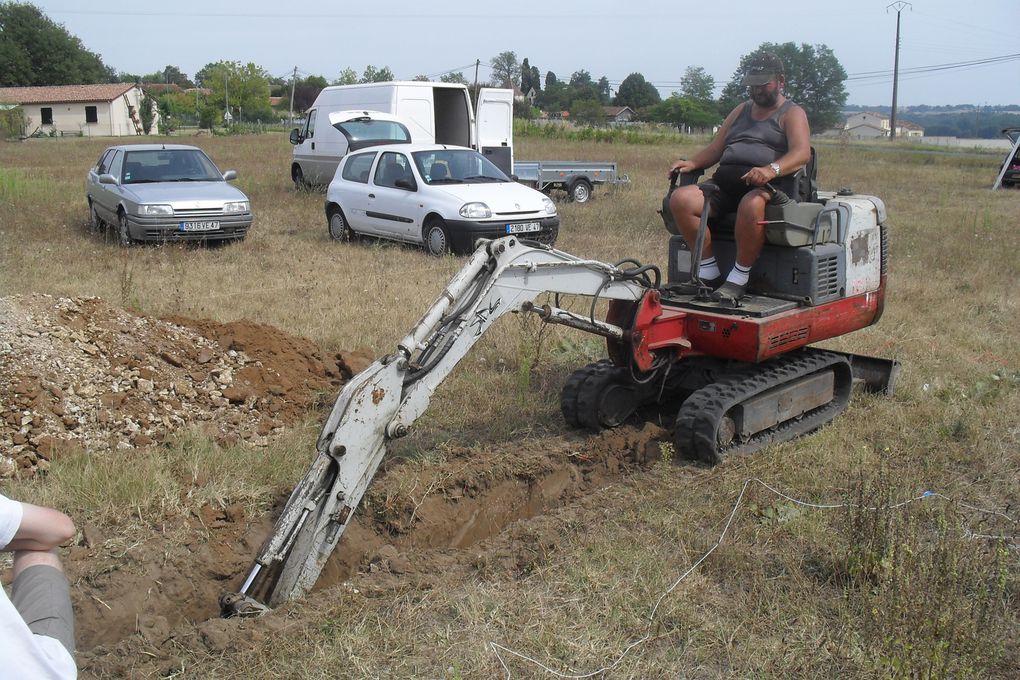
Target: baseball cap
[{"x": 763, "y": 68}]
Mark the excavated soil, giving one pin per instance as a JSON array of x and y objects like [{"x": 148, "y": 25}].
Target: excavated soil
[{"x": 81, "y": 375}]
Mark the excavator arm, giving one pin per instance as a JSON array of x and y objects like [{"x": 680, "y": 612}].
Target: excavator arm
[{"x": 383, "y": 401}]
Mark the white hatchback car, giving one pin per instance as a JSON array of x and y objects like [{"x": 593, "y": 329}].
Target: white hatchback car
[{"x": 443, "y": 197}]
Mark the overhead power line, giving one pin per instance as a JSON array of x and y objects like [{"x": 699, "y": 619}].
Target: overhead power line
[{"x": 865, "y": 75}]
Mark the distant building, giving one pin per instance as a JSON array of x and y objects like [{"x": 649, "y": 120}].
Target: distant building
[
  {"x": 106, "y": 110},
  {"x": 619, "y": 114},
  {"x": 873, "y": 125}
]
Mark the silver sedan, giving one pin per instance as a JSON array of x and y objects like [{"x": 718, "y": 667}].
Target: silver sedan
[{"x": 165, "y": 192}]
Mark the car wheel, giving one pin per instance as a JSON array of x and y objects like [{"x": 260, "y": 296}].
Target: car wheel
[
  {"x": 299, "y": 178},
  {"x": 123, "y": 230},
  {"x": 436, "y": 237},
  {"x": 95, "y": 221},
  {"x": 339, "y": 229},
  {"x": 580, "y": 191}
]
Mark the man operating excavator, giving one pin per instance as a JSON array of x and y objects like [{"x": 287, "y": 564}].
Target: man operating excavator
[{"x": 763, "y": 140}]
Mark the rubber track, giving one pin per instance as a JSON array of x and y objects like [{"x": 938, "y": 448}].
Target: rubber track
[
  {"x": 590, "y": 394},
  {"x": 571, "y": 389},
  {"x": 698, "y": 420}
]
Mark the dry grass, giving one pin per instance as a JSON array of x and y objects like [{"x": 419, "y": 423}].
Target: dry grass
[{"x": 792, "y": 592}]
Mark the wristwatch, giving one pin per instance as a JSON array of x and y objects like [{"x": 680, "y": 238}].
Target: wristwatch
[{"x": 775, "y": 168}]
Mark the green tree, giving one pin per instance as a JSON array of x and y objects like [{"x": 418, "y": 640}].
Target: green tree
[
  {"x": 36, "y": 51},
  {"x": 506, "y": 72},
  {"x": 814, "y": 79},
  {"x": 680, "y": 111},
  {"x": 697, "y": 85},
  {"x": 637, "y": 93},
  {"x": 147, "y": 112},
  {"x": 376, "y": 75},
  {"x": 455, "y": 77},
  {"x": 587, "y": 112},
  {"x": 526, "y": 77},
  {"x": 348, "y": 76},
  {"x": 242, "y": 87},
  {"x": 169, "y": 74},
  {"x": 306, "y": 90}
]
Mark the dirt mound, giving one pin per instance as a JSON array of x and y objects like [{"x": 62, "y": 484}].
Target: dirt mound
[{"x": 79, "y": 374}]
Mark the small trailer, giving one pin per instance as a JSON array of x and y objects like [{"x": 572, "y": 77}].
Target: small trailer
[{"x": 577, "y": 178}]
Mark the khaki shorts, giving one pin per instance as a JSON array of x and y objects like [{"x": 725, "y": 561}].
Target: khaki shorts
[{"x": 42, "y": 596}]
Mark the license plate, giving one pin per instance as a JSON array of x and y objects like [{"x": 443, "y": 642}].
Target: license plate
[
  {"x": 206, "y": 225},
  {"x": 523, "y": 227}
]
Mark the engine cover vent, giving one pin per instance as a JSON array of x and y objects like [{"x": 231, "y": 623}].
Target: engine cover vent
[
  {"x": 827, "y": 277},
  {"x": 786, "y": 337}
]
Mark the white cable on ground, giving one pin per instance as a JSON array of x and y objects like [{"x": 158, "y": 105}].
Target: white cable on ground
[{"x": 496, "y": 648}]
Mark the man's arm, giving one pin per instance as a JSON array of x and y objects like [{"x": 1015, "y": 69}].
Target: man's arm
[
  {"x": 41, "y": 529},
  {"x": 798, "y": 141},
  {"x": 711, "y": 154}
]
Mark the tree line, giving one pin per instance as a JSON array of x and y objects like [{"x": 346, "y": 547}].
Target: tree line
[{"x": 36, "y": 51}]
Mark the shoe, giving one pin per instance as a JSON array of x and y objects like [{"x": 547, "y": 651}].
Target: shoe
[{"x": 729, "y": 292}]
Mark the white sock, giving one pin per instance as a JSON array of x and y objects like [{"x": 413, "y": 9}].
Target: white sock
[
  {"x": 739, "y": 275},
  {"x": 709, "y": 269}
]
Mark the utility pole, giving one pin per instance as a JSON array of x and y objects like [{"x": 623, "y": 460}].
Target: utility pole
[
  {"x": 898, "y": 6},
  {"x": 293, "y": 80},
  {"x": 477, "y": 64}
]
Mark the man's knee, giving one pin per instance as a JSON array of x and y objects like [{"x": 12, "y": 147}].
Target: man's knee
[
  {"x": 686, "y": 200},
  {"x": 23, "y": 559}
]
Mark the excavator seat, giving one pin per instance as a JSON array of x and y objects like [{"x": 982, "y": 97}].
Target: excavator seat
[{"x": 803, "y": 258}]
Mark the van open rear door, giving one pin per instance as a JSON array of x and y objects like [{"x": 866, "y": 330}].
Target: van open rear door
[{"x": 494, "y": 127}]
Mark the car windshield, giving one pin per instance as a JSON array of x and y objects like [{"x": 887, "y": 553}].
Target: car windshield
[
  {"x": 168, "y": 165},
  {"x": 456, "y": 166}
]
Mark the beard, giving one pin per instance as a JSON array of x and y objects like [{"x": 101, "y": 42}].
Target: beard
[{"x": 766, "y": 99}]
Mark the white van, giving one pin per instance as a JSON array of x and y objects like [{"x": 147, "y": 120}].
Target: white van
[{"x": 434, "y": 113}]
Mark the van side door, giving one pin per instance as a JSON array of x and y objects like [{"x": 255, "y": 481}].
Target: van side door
[
  {"x": 304, "y": 151},
  {"x": 494, "y": 127}
]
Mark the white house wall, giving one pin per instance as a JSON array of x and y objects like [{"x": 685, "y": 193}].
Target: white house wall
[{"x": 114, "y": 119}]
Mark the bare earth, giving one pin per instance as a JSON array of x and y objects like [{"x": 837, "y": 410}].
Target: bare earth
[{"x": 79, "y": 375}]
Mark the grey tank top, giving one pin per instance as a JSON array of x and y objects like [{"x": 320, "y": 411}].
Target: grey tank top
[{"x": 753, "y": 142}]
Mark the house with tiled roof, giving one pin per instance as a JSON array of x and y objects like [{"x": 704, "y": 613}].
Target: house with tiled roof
[
  {"x": 619, "y": 114},
  {"x": 870, "y": 124},
  {"x": 104, "y": 110}
]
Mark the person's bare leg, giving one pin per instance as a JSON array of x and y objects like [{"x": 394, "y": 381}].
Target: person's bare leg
[
  {"x": 686, "y": 205},
  {"x": 23, "y": 559},
  {"x": 749, "y": 231},
  {"x": 750, "y": 235}
]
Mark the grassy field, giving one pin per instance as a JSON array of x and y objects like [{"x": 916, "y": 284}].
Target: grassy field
[{"x": 922, "y": 590}]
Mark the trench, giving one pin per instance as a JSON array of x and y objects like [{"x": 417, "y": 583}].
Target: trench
[{"x": 154, "y": 588}]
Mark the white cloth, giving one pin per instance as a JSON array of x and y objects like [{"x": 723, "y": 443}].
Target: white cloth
[{"x": 22, "y": 653}]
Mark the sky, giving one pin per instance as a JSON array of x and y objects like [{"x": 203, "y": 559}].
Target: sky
[{"x": 951, "y": 51}]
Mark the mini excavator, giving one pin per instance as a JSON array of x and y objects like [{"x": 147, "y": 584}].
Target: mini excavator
[{"x": 733, "y": 377}]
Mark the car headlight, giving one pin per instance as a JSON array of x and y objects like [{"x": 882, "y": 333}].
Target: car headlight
[
  {"x": 236, "y": 207},
  {"x": 475, "y": 211},
  {"x": 155, "y": 210},
  {"x": 548, "y": 206}
]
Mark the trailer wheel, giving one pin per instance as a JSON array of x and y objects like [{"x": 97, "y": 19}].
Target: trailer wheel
[{"x": 580, "y": 191}]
